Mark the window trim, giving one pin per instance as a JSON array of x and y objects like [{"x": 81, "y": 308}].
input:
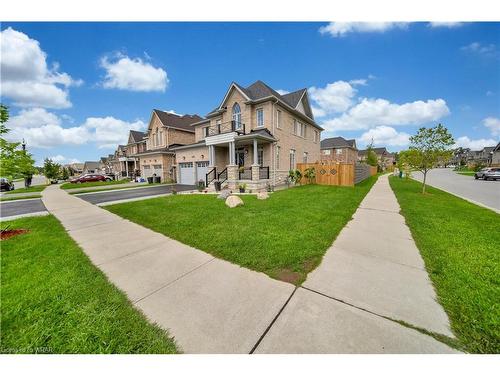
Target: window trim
[{"x": 294, "y": 164}]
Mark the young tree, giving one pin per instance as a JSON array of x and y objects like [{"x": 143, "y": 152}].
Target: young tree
[
  {"x": 51, "y": 170},
  {"x": 65, "y": 173},
  {"x": 427, "y": 148},
  {"x": 371, "y": 156}
]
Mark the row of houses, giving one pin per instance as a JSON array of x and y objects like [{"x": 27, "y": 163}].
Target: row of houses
[
  {"x": 254, "y": 136},
  {"x": 488, "y": 156},
  {"x": 345, "y": 151}
]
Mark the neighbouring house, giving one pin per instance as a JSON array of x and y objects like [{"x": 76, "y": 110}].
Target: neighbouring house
[
  {"x": 105, "y": 166},
  {"x": 131, "y": 163},
  {"x": 254, "y": 136},
  {"x": 385, "y": 158},
  {"x": 154, "y": 151},
  {"x": 75, "y": 168},
  {"x": 339, "y": 149},
  {"x": 483, "y": 157},
  {"x": 495, "y": 156},
  {"x": 91, "y": 167},
  {"x": 121, "y": 164}
]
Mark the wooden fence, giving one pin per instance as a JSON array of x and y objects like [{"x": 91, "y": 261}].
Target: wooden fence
[{"x": 329, "y": 173}]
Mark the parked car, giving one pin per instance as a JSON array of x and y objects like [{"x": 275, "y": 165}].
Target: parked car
[
  {"x": 6, "y": 184},
  {"x": 492, "y": 174},
  {"x": 480, "y": 173},
  {"x": 90, "y": 178}
]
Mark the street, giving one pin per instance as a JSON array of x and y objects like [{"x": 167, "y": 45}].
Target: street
[
  {"x": 486, "y": 193},
  {"x": 21, "y": 207},
  {"x": 115, "y": 195}
]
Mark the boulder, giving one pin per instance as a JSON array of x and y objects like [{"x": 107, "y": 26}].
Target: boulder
[
  {"x": 233, "y": 201},
  {"x": 224, "y": 194},
  {"x": 262, "y": 195}
]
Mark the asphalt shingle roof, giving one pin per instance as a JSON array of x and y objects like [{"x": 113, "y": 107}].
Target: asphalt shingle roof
[
  {"x": 137, "y": 136},
  {"x": 175, "y": 121}
]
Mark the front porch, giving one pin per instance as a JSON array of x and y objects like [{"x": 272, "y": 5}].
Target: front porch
[
  {"x": 236, "y": 159},
  {"x": 127, "y": 168}
]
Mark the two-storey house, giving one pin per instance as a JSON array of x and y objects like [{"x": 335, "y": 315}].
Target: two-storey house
[
  {"x": 254, "y": 136},
  {"x": 339, "y": 149},
  {"x": 154, "y": 151}
]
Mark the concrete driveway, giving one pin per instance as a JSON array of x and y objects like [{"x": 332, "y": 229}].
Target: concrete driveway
[{"x": 485, "y": 193}]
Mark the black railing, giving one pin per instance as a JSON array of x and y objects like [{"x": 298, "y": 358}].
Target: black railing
[
  {"x": 226, "y": 127},
  {"x": 264, "y": 173},
  {"x": 222, "y": 176},
  {"x": 245, "y": 174},
  {"x": 210, "y": 176}
]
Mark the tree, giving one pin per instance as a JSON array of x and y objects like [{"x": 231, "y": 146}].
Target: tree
[
  {"x": 14, "y": 162},
  {"x": 51, "y": 170},
  {"x": 427, "y": 148},
  {"x": 371, "y": 156},
  {"x": 65, "y": 173}
]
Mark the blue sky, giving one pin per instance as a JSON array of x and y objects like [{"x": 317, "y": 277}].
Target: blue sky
[{"x": 75, "y": 89}]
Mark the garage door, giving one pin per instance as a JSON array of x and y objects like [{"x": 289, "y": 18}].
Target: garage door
[
  {"x": 201, "y": 170},
  {"x": 186, "y": 173},
  {"x": 147, "y": 172},
  {"x": 158, "y": 170}
]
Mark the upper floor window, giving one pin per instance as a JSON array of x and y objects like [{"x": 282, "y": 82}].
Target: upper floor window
[
  {"x": 316, "y": 136},
  {"x": 292, "y": 159},
  {"x": 339, "y": 151},
  {"x": 205, "y": 131},
  {"x": 237, "y": 115},
  {"x": 326, "y": 152},
  {"x": 295, "y": 127},
  {"x": 260, "y": 117},
  {"x": 304, "y": 157},
  {"x": 304, "y": 130},
  {"x": 278, "y": 119}
]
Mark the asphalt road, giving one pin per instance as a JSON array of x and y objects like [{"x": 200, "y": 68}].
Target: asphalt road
[
  {"x": 36, "y": 180},
  {"x": 486, "y": 193},
  {"x": 21, "y": 207},
  {"x": 115, "y": 195}
]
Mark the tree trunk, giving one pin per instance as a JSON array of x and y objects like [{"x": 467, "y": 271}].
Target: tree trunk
[{"x": 423, "y": 184}]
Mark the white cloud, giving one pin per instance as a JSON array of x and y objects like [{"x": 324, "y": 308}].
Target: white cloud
[
  {"x": 474, "y": 144},
  {"x": 125, "y": 73},
  {"x": 109, "y": 131},
  {"x": 339, "y": 29},
  {"x": 360, "y": 82},
  {"x": 26, "y": 78},
  {"x": 493, "y": 124},
  {"x": 478, "y": 48},
  {"x": 42, "y": 129},
  {"x": 449, "y": 25},
  {"x": 385, "y": 136},
  {"x": 63, "y": 159},
  {"x": 282, "y": 92},
  {"x": 333, "y": 98},
  {"x": 369, "y": 113}
]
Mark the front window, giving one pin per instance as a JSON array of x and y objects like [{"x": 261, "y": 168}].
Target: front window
[
  {"x": 237, "y": 116},
  {"x": 304, "y": 157},
  {"x": 260, "y": 156},
  {"x": 278, "y": 119},
  {"x": 260, "y": 117},
  {"x": 205, "y": 132},
  {"x": 292, "y": 159},
  {"x": 326, "y": 152},
  {"x": 278, "y": 148},
  {"x": 339, "y": 151}
]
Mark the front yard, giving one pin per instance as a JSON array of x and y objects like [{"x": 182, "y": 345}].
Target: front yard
[
  {"x": 285, "y": 236},
  {"x": 460, "y": 244},
  {"x": 31, "y": 189},
  {"x": 53, "y": 300}
]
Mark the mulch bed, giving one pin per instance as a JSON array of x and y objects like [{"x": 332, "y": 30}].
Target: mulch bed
[{"x": 9, "y": 233}]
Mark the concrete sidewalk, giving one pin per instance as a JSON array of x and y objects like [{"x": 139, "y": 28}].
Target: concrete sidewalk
[
  {"x": 207, "y": 304},
  {"x": 212, "y": 306},
  {"x": 371, "y": 276}
]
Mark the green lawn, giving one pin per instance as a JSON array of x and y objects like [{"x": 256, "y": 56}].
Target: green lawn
[
  {"x": 54, "y": 300},
  {"x": 284, "y": 236},
  {"x": 113, "y": 188},
  {"x": 69, "y": 185},
  {"x": 460, "y": 243},
  {"x": 32, "y": 189},
  {"x": 17, "y": 198},
  {"x": 467, "y": 173}
]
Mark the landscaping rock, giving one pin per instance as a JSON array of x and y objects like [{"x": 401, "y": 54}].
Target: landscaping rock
[
  {"x": 233, "y": 201},
  {"x": 224, "y": 194},
  {"x": 262, "y": 195}
]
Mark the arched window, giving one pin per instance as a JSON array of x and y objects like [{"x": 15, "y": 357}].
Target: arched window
[{"x": 237, "y": 116}]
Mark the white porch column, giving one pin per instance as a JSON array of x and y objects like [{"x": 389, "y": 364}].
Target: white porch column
[
  {"x": 211, "y": 156},
  {"x": 126, "y": 167},
  {"x": 231, "y": 153},
  {"x": 255, "y": 155}
]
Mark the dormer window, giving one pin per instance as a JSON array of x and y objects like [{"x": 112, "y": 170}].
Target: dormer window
[{"x": 237, "y": 116}]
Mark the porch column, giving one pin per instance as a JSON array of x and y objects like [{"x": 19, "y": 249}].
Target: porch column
[
  {"x": 211, "y": 156},
  {"x": 231, "y": 153},
  {"x": 255, "y": 155},
  {"x": 126, "y": 167}
]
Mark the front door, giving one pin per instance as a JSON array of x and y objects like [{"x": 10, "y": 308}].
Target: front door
[{"x": 240, "y": 157}]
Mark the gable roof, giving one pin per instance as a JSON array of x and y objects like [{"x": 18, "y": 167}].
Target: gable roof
[
  {"x": 497, "y": 147},
  {"x": 338, "y": 142},
  {"x": 260, "y": 90},
  {"x": 91, "y": 165},
  {"x": 377, "y": 150},
  {"x": 136, "y": 136},
  {"x": 176, "y": 121}
]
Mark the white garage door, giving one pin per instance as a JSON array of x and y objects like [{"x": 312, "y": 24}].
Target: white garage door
[
  {"x": 201, "y": 170},
  {"x": 147, "y": 172},
  {"x": 158, "y": 170},
  {"x": 186, "y": 173}
]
